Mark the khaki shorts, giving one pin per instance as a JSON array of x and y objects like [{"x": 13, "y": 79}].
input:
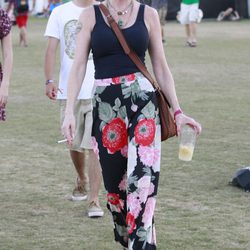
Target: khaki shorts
[
  {"x": 84, "y": 120},
  {"x": 162, "y": 8},
  {"x": 162, "y": 12}
]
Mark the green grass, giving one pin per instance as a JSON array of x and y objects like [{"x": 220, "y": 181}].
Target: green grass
[{"x": 196, "y": 208}]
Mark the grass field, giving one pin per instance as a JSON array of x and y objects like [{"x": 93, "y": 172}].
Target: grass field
[{"x": 196, "y": 208}]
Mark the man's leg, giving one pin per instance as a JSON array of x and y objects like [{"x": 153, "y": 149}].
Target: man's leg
[
  {"x": 193, "y": 28},
  {"x": 83, "y": 141},
  {"x": 193, "y": 19},
  {"x": 95, "y": 178},
  {"x": 188, "y": 33},
  {"x": 78, "y": 160},
  {"x": 80, "y": 191}
]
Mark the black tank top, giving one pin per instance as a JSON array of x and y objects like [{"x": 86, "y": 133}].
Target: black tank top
[{"x": 109, "y": 57}]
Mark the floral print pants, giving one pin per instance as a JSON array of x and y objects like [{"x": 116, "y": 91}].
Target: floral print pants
[{"x": 126, "y": 138}]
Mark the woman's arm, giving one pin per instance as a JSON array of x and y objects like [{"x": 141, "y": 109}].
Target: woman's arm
[
  {"x": 77, "y": 73},
  {"x": 7, "y": 68},
  {"x": 161, "y": 69}
]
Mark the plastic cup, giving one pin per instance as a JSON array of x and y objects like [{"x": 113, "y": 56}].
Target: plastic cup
[{"x": 187, "y": 142}]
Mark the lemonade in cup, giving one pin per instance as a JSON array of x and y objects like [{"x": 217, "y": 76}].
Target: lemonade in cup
[{"x": 188, "y": 136}]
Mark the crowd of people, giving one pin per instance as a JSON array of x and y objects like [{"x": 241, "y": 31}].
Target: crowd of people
[{"x": 109, "y": 109}]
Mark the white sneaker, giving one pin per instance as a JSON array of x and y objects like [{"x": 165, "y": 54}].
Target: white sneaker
[
  {"x": 79, "y": 192},
  {"x": 79, "y": 195},
  {"x": 94, "y": 210}
]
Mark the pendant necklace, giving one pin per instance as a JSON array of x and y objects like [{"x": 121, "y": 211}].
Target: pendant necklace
[{"x": 120, "y": 13}]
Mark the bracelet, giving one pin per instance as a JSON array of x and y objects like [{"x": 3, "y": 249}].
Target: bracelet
[
  {"x": 49, "y": 81},
  {"x": 177, "y": 112}
]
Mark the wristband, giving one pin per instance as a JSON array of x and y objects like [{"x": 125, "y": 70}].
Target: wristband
[
  {"x": 177, "y": 112},
  {"x": 49, "y": 81}
]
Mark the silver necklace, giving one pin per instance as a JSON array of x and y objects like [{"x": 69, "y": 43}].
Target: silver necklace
[
  {"x": 121, "y": 12},
  {"x": 120, "y": 22}
]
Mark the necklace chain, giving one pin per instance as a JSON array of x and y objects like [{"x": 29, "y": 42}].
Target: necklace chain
[
  {"x": 121, "y": 12},
  {"x": 120, "y": 22}
]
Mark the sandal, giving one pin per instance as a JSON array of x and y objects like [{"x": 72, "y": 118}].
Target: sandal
[{"x": 191, "y": 44}]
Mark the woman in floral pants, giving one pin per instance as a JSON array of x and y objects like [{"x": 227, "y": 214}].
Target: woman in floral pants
[
  {"x": 126, "y": 129},
  {"x": 127, "y": 137}
]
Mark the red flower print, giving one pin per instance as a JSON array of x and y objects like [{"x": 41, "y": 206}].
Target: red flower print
[
  {"x": 130, "y": 77},
  {"x": 116, "y": 80},
  {"x": 113, "y": 198},
  {"x": 130, "y": 221},
  {"x": 114, "y": 135},
  {"x": 145, "y": 132}
]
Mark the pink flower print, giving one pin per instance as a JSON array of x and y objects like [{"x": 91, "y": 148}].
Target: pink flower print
[
  {"x": 148, "y": 155},
  {"x": 147, "y": 217},
  {"x": 143, "y": 195},
  {"x": 133, "y": 204},
  {"x": 95, "y": 146},
  {"x": 144, "y": 182},
  {"x": 151, "y": 189},
  {"x": 134, "y": 107},
  {"x": 123, "y": 184},
  {"x": 146, "y": 188},
  {"x": 124, "y": 151}
]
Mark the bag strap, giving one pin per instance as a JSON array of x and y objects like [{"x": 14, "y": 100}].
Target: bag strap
[{"x": 128, "y": 51}]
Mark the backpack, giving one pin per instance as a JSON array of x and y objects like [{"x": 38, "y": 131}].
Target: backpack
[
  {"x": 241, "y": 179},
  {"x": 22, "y": 6}
]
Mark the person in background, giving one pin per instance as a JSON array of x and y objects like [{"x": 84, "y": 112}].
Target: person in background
[
  {"x": 61, "y": 29},
  {"x": 162, "y": 8},
  {"x": 229, "y": 14},
  {"x": 189, "y": 16},
  {"x": 126, "y": 129},
  {"x": 21, "y": 12},
  {"x": 6, "y": 66}
]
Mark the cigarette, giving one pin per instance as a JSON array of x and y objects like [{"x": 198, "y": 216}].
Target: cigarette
[{"x": 62, "y": 141}]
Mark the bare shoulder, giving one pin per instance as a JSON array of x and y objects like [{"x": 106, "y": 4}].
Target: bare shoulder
[
  {"x": 150, "y": 13},
  {"x": 151, "y": 17}
]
